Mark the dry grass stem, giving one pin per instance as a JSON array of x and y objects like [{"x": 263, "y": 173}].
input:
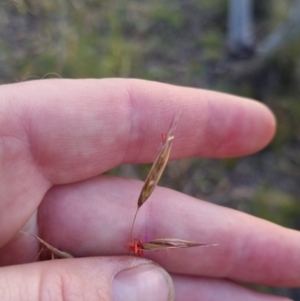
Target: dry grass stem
[
  {"x": 55, "y": 251},
  {"x": 138, "y": 246},
  {"x": 157, "y": 168}
]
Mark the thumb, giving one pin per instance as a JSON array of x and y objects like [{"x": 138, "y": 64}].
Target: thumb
[{"x": 104, "y": 278}]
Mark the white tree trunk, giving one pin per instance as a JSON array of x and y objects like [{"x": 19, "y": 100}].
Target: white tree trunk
[{"x": 240, "y": 38}]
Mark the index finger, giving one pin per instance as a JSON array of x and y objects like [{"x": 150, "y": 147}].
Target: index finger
[
  {"x": 248, "y": 248},
  {"x": 76, "y": 129}
]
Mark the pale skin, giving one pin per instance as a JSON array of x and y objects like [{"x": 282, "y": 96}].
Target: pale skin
[{"x": 57, "y": 137}]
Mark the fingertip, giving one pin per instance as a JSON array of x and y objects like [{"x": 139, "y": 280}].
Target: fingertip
[
  {"x": 237, "y": 126},
  {"x": 143, "y": 282}
]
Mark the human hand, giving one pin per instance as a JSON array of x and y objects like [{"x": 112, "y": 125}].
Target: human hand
[{"x": 56, "y": 136}]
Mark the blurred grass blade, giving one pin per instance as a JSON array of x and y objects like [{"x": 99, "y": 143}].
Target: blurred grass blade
[
  {"x": 54, "y": 251},
  {"x": 171, "y": 243},
  {"x": 159, "y": 244}
]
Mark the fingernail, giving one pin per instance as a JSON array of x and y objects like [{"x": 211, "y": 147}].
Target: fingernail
[{"x": 145, "y": 282}]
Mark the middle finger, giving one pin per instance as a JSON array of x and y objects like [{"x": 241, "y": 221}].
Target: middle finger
[{"x": 94, "y": 218}]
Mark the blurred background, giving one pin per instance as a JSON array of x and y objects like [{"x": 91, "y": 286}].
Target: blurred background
[{"x": 245, "y": 47}]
